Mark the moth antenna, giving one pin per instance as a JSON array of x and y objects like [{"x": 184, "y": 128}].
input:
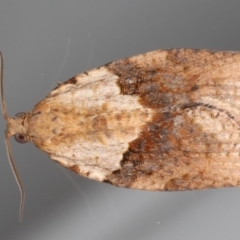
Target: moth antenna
[
  {"x": 9, "y": 151},
  {"x": 18, "y": 180},
  {"x": 4, "y": 108}
]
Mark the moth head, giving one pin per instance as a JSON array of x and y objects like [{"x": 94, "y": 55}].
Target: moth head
[{"x": 15, "y": 126}]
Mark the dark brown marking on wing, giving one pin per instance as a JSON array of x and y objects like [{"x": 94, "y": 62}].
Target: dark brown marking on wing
[
  {"x": 70, "y": 81},
  {"x": 172, "y": 157},
  {"x": 54, "y": 131},
  {"x": 74, "y": 168},
  {"x": 173, "y": 151}
]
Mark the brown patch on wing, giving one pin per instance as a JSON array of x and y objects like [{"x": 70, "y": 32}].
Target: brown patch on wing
[
  {"x": 166, "y": 78},
  {"x": 182, "y": 148},
  {"x": 99, "y": 123},
  {"x": 74, "y": 168},
  {"x": 70, "y": 81},
  {"x": 174, "y": 153}
]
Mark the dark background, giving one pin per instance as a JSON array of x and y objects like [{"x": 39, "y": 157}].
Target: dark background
[{"x": 49, "y": 41}]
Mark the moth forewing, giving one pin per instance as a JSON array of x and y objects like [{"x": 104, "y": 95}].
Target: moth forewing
[{"x": 163, "y": 120}]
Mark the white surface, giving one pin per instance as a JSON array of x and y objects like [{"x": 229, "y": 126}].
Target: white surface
[{"x": 47, "y": 41}]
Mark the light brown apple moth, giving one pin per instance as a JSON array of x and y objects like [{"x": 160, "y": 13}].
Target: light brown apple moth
[{"x": 165, "y": 120}]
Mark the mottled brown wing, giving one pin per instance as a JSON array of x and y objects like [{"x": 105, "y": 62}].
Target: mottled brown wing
[{"x": 192, "y": 141}]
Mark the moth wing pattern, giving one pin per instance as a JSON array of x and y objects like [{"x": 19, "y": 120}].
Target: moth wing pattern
[{"x": 163, "y": 120}]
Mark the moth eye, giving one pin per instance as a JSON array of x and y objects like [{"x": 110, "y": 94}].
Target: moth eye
[
  {"x": 19, "y": 114},
  {"x": 20, "y": 138}
]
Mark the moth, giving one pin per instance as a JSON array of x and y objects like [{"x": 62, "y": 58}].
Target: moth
[{"x": 165, "y": 120}]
